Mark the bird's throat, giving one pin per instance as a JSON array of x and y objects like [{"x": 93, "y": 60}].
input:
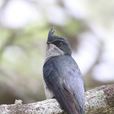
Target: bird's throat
[{"x": 52, "y": 51}]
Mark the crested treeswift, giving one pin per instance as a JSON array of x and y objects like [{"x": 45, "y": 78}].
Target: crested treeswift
[{"x": 62, "y": 76}]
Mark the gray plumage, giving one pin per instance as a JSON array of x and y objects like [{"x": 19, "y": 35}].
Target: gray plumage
[{"x": 62, "y": 76}]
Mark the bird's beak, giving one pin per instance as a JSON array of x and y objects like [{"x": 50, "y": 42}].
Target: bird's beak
[{"x": 50, "y": 35}]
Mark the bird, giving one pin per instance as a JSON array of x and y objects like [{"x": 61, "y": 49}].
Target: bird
[{"x": 62, "y": 77}]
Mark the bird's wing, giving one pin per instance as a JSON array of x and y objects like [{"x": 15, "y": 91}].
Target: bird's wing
[{"x": 63, "y": 91}]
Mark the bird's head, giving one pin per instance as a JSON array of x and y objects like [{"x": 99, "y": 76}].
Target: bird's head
[{"x": 57, "y": 45}]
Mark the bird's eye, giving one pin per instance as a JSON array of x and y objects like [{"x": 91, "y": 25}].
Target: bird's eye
[{"x": 61, "y": 43}]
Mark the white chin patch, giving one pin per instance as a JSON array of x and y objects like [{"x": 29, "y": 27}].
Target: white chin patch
[{"x": 52, "y": 50}]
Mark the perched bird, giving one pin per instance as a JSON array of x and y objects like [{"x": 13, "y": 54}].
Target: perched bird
[{"x": 62, "y": 76}]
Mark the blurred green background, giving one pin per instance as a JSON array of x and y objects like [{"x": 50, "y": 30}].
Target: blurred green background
[{"x": 24, "y": 26}]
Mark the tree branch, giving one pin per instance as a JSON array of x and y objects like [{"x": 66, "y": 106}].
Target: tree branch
[{"x": 98, "y": 100}]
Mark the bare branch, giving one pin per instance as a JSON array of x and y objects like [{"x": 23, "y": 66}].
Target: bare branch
[{"x": 98, "y": 101}]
